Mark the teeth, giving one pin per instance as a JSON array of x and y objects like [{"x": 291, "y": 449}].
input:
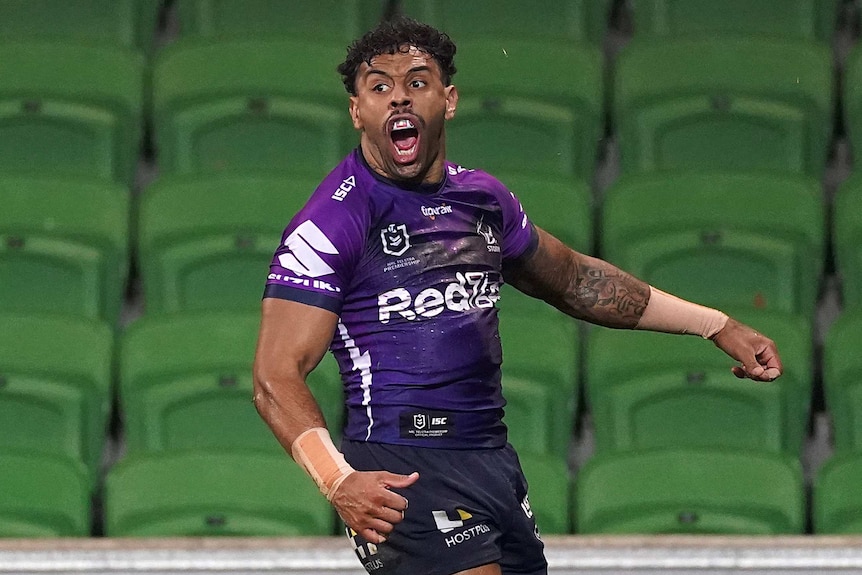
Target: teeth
[{"x": 402, "y": 125}]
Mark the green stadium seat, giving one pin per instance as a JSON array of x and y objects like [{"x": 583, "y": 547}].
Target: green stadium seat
[
  {"x": 836, "y": 505},
  {"x": 540, "y": 375},
  {"x": 651, "y": 390},
  {"x": 724, "y": 104},
  {"x": 339, "y": 21},
  {"x": 698, "y": 236},
  {"x": 55, "y": 387},
  {"x": 558, "y": 204},
  {"x": 63, "y": 246},
  {"x": 690, "y": 491},
  {"x": 531, "y": 106},
  {"x": 809, "y": 20},
  {"x": 70, "y": 110},
  {"x": 43, "y": 496},
  {"x": 219, "y": 258},
  {"x": 540, "y": 418},
  {"x": 550, "y": 487},
  {"x": 842, "y": 380},
  {"x": 123, "y": 23},
  {"x": 847, "y": 238},
  {"x": 250, "y": 105},
  {"x": 186, "y": 383},
  {"x": 567, "y": 21},
  {"x": 213, "y": 493},
  {"x": 852, "y": 99}
]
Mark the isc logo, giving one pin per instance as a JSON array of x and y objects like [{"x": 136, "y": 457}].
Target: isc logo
[{"x": 341, "y": 192}]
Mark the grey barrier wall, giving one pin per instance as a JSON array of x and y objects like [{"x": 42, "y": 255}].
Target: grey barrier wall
[{"x": 567, "y": 555}]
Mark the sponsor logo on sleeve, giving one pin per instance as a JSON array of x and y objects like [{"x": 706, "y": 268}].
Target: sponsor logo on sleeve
[
  {"x": 342, "y": 190},
  {"x": 304, "y": 245}
]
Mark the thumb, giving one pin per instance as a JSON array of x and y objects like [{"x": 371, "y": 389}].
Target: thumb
[{"x": 399, "y": 481}]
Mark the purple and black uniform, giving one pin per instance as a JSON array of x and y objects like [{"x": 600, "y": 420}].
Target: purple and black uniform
[{"x": 414, "y": 275}]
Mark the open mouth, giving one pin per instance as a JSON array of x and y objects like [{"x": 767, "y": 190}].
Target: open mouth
[{"x": 405, "y": 140}]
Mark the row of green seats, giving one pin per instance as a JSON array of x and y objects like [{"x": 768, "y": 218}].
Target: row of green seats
[
  {"x": 132, "y": 23},
  {"x": 66, "y": 243},
  {"x": 532, "y": 106},
  {"x": 667, "y": 412}
]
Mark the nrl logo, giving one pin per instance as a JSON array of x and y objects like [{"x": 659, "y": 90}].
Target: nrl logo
[
  {"x": 395, "y": 239},
  {"x": 419, "y": 421}
]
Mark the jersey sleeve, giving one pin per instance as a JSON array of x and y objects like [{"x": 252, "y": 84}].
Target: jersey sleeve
[
  {"x": 520, "y": 238},
  {"x": 318, "y": 252}
]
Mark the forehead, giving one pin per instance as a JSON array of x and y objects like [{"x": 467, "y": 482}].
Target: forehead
[{"x": 400, "y": 62}]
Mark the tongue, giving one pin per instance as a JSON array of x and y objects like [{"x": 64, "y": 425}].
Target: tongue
[{"x": 404, "y": 140}]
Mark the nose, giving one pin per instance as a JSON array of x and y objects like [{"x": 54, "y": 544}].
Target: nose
[{"x": 400, "y": 99}]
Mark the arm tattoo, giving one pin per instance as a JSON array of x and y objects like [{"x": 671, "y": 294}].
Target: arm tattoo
[{"x": 607, "y": 295}]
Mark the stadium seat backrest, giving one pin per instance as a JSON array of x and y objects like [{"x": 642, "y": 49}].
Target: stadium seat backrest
[
  {"x": 728, "y": 104},
  {"x": 63, "y": 246},
  {"x": 550, "y": 491},
  {"x": 560, "y": 20},
  {"x": 332, "y": 20},
  {"x": 530, "y": 106},
  {"x": 250, "y": 105},
  {"x": 852, "y": 92},
  {"x": 43, "y": 496},
  {"x": 186, "y": 383},
  {"x": 70, "y": 110},
  {"x": 695, "y": 235},
  {"x": 212, "y": 493},
  {"x": 810, "y": 20},
  {"x": 560, "y": 205},
  {"x": 122, "y": 23},
  {"x": 665, "y": 391},
  {"x": 719, "y": 492},
  {"x": 836, "y": 505},
  {"x": 56, "y": 386},
  {"x": 842, "y": 379},
  {"x": 206, "y": 243},
  {"x": 847, "y": 238}
]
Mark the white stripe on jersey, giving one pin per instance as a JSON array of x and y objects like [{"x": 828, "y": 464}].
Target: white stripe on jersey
[{"x": 362, "y": 364}]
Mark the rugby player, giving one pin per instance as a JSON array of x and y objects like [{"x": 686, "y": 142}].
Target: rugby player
[{"x": 395, "y": 264}]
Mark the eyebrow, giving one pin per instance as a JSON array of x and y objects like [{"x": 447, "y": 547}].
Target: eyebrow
[{"x": 410, "y": 71}]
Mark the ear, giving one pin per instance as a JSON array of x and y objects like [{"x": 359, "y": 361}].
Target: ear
[
  {"x": 354, "y": 113},
  {"x": 451, "y": 101}
]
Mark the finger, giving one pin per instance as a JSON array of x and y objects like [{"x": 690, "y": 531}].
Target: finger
[
  {"x": 399, "y": 481},
  {"x": 372, "y": 536},
  {"x": 390, "y": 515},
  {"x": 393, "y": 500}
]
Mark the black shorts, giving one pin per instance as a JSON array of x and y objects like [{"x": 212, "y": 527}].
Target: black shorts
[{"x": 468, "y": 508}]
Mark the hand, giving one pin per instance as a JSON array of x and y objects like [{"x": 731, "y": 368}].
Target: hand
[
  {"x": 365, "y": 503},
  {"x": 756, "y": 352}
]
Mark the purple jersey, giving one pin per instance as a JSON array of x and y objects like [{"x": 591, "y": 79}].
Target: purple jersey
[{"x": 414, "y": 275}]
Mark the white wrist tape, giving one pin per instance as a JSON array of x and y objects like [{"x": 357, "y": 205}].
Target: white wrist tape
[
  {"x": 670, "y": 314},
  {"x": 316, "y": 453}
]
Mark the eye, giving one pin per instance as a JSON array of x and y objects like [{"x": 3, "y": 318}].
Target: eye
[
  {"x": 418, "y": 83},
  {"x": 380, "y": 88}
]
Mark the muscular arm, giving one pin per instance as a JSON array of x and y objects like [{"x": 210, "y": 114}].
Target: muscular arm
[
  {"x": 591, "y": 289},
  {"x": 293, "y": 338},
  {"x": 581, "y": 286}
]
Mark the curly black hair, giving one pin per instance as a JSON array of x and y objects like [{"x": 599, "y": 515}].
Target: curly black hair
[{"x": 398, "y": 35}]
